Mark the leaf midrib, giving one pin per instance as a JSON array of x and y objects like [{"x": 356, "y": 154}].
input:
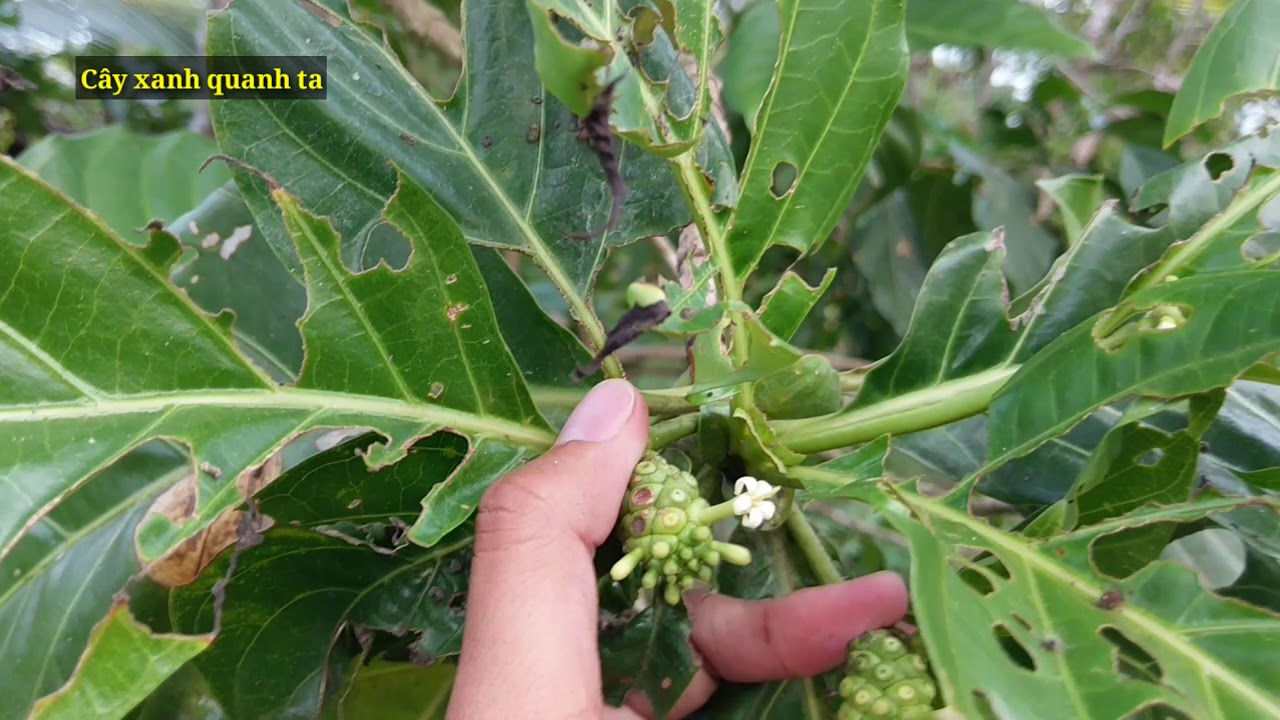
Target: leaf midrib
[{"x": 284, "y": 397}]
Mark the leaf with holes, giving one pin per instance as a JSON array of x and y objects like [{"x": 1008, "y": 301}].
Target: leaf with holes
[
  {"x": 1015, "y": 625},
  {"x": 1239, "y": 56},
  {"x": 501, "y": 158},
  {"x": 840, "y": 71},
  {"x": 81, "y": 395}
]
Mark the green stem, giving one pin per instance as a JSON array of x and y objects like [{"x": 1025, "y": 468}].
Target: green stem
[
  {"x": 806, "y": 538},
  {"x": 716, "y": 513},
  {"x": 713, "y": 236},
  {"x": 666, "y": 432},
  {"x": 919, "y": 410},
  {"x": 660, "y": 402}
]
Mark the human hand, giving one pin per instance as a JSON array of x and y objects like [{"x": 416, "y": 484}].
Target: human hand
[{"x": 530, "y": 648}]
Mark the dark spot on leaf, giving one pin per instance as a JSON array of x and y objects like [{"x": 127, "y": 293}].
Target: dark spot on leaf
[
  {"x": 1204, "y": 447},
  {"x": 1051, "y": 644},
  {"x": 1014, "y": 648},
  {"x": 1218, "y": 164},
  {"x": 556, "y": 125},
  {"x": 1131, "y": 660},
  {"x": 153, "y": 226},
  {"x": 983, "y": 703},
  {"x": 1059, "y": 552},
  {"x": 487, "y": 142},
  {"x": 784, "y": 177},
  {"x": 1111, "y": 600},
  {"x": 436, "y": 594},
  {"x": 408, "y": 139},
  {"x": 537, "y": 101},
  {"x": 688, "y": 313},
  {"x": 455, "y": 566}
]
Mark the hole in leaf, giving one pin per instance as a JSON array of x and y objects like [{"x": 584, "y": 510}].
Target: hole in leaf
[
  {"x": 979, "y": 569},
  {"x": 1151, "y": 458},
  {"x": 1158, "y": 711},
  {"x": 1125, "y": 552},
  {"x": 1218, "y": 164},
  {"x": 1116, "y": 329},
  {"x": 1014, "y": 648},
  {"x": 1262, "y": 248},
  {"x": 1130, "y": 659},
  {"x": 1217, "y": 555},
  {"x": 983, "y": 704},
  {"x": 784, "y": 176}
]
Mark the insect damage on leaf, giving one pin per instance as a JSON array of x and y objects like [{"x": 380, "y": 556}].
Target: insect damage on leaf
[
  {"x": 599, "y": 137},
  {"x": 648, "y": 309}
]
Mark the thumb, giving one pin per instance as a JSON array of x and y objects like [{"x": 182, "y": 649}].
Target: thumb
[
  {"x": 529, "y": 647},
  {"x": 573, "y": 491}
]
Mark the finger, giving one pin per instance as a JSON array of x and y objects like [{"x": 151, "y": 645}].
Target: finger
[
  {"x": 801, "y": 635},
  {"x": 638, "y": 707},
  {"x": 529, "y": 647}
]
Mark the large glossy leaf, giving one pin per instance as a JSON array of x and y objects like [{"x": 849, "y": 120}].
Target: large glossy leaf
[
  {"x": 1030, "y": 626},
  {"x": 129, "y": 179},
  {"x": 840, "y": 71},
  {"x": 1232, "y": 321},
  {"x": 343, "y": 552},
  {"x": 501, "y": 158},
  {"x": 398, "y": 691},
  {"x": 1239, "y": 56},
  {"x": 1009, "y": 24},
  {"x": 111, "y": 355}
]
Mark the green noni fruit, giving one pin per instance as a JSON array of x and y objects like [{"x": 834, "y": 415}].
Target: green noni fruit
[
  {"x": 886, "y": 678},
  {"x": 666, "y": 531}
]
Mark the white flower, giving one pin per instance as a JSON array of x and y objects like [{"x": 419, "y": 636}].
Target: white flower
[{"x": 754, "y": 501}]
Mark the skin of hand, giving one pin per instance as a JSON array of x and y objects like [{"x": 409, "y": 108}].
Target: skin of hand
[{"x": 530, "y": 647}]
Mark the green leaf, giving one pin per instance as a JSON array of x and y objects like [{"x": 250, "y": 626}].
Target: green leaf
[
  {"x": 863, "y": 465},
  {"x": 962, "y": 344},
  {"x": 92, "y": 376},
  {"x": 747, "y": 67},
  {"x": 1007, "y": 24},
  {"x": 399, "y": 691},
  {"x": 80, "y": 551},
  {"x": 647, "y": 652},
  {"x": 1058, "y": 616},
  {"x": 1077, "y": 197},
  {"x": 386, "y": 330},
  {"x": 234, "y": 268},
  {"x": 128, "y": 179},
  {"x": 1237, "y": 57},
  {"x": 501, "y": 158},
  {"x": 453, "y": 501},
  {"x": 285, "y": 643},
  {"x": 124, "y": 663},
  {"x": 1231, "y": 322},
  {"x": 840, "y": 71},
  {"x": 786, "y": 306}
]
